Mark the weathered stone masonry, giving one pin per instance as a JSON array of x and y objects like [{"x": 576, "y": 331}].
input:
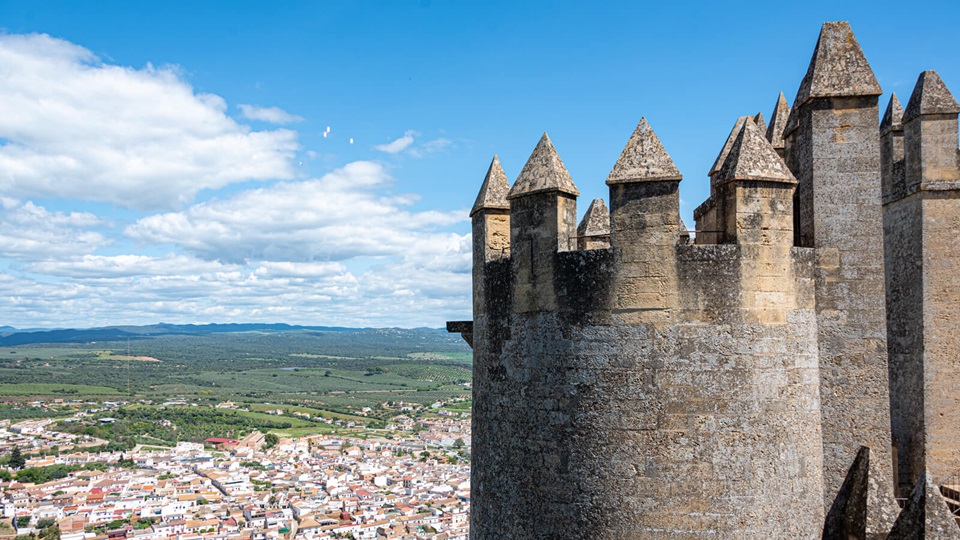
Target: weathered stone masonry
[{"x": 630, "y": 383}]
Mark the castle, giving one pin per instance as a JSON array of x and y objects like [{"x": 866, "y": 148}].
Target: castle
[{"x": 788, "y": 372}]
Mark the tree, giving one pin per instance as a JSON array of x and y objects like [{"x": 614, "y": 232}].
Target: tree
[
  {"x": 17, "y": 460},
  {"x": 459, "y": 443},
  {"x": 270, "y": 440}
]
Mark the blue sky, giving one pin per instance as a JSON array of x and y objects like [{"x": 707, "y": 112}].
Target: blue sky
[{"x": 171, "y": 161}]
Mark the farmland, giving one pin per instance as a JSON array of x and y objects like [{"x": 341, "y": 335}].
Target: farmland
[{"x": 336, "y": 372}]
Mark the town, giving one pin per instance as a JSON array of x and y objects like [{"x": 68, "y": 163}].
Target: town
[{"x": 409, "y": 481}]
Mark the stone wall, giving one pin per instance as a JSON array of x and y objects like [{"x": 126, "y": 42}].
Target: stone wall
[
  {"x": 921, "y": 220},
  {"x": 904, "y": 255},
  {"x": 588, "y": 428}
]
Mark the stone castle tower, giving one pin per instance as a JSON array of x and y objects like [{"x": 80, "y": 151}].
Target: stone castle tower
[{"x": 781, "y": 375}]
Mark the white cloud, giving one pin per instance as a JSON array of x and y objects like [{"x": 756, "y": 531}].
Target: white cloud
[
  {"x": 340, "y": 216},
  {"x": 398, "y": 145},
  {"x": 415, "y": 291},
  {"x": 342, "y": 249},
  {"x": 273, "y": 115},
  {"x": 336, "y": 250},
  {"x": 75, "y": 127},
  {"x": 431, "y": 147},
  {"x": 31, "y": 232},
  {"x": 120, "y": 266}
]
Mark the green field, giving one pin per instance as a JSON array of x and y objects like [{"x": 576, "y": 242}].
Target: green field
[
  {"x": 58, "y": 390},
  {"x": 309, "y": 410},
  {"x": 331, "y": 372}
]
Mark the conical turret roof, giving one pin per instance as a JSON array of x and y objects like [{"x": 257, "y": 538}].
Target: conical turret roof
[
  {"x": 893, "y": 116},
  {"x": 781, "y": 112},
  {"x": 760, "y": 122},
  {"x": 930, "y": 96},
  {"x": 838, "y": 67},
  {"x": 544, "y": 171},
  {"x": 643, "y": 159},
  {"x": 727, "y": 145},
  {"x": 493, "y": 192},
  {"x": 752, "y": 158},
  {"x": 596, "y": 222}
]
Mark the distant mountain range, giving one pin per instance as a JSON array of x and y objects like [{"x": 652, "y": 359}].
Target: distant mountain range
[{"x": 10, "y": 336}]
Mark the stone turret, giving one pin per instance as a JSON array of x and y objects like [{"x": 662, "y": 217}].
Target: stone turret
[
  {"x": 709, "y": 222},
  {"x": 490, "y": 218},
  {"x": 832, "y": 147},
  {"x": 930, "y": 133},
  {"x": 543, "y": 221},
  {"x": 923, "y": 303},
  {"x": 594, "y": 229},
  {"x": 781, "y": 113},
  {"x": 756, "y": 190},
  {"x": 891, "y": 151},
  {"x": 611, "y": 388},
  {"x": 645, "y": 223}
]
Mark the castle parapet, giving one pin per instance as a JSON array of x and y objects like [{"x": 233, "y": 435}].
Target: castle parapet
[{"x": 490, "y": 218}]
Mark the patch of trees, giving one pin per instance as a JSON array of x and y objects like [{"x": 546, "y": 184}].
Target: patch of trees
[
  {"x": 140, "y": 423},
  {"x": 40, "y": 475}
]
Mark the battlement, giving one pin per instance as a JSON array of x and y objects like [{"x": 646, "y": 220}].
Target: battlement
[
  {"x": 750, "y": 205},
  {"x": 631, "y": 383}
]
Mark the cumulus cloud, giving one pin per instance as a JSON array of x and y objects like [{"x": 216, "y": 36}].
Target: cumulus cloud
[
  {"x": 31, "y": 232},
  {"x": 138, "y": 290},
  {"x": 75, "y": 127},
  {"x": 340, "y": 216},
  {"x": 273, "y": 115},
  {"x": 120, "y": 266},
  {"x": 342, "y": 249},
  {"x": 398, "y": 145}
]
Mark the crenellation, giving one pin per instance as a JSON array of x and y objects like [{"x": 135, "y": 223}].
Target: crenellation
[{"x": 631, "y": 384}]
